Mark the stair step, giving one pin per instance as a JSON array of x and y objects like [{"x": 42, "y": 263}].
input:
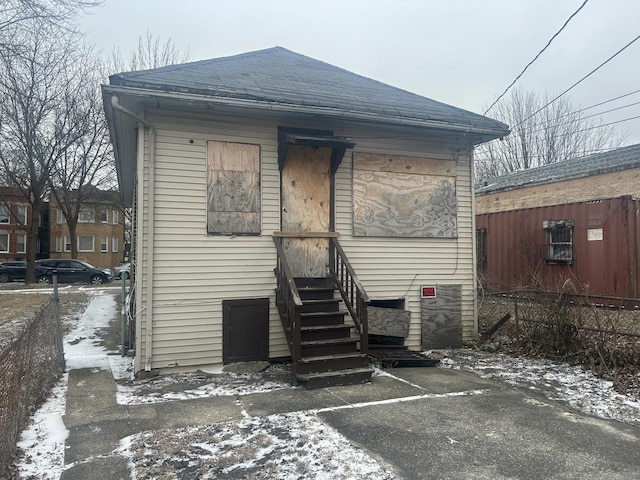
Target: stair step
[
  {"x": 325, "y": 332},
  {"x": 329, "y": 363},
  {"x": 350, "y": 376},
  {"x": 315, "y": 282},
  {"x": 324, "y": 314},
  {"x": 310, "y": 319},
  {"x": 314, "y": 348},
  {"x": 320, "y": 305},
  {"x": 316, "y": 293}
]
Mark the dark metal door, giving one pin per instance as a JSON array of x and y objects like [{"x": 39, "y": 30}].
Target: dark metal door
[{"x": 245, "y": 324}]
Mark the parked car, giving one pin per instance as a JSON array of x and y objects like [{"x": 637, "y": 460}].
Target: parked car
[
  {"x": 12, "y": 271},
  {"x": 123, "y": 269},
  {"x": 71, "y": 271}
]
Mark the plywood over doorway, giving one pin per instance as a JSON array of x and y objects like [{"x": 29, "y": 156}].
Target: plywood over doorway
[{"x": 305, "y": 208}]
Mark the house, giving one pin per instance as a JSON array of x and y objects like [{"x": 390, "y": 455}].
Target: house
[
  {"x": 575, "y": 220},
  {"x": 269, "y": 185},
  {"x": 99, "y": 231},
  {"x": 15, "y": 216}
]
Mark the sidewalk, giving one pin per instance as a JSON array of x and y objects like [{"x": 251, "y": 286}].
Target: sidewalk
[{"x": 431, "y": 423}]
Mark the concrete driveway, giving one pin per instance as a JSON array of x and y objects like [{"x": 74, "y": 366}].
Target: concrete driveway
[{"x": 424, "y": 423}]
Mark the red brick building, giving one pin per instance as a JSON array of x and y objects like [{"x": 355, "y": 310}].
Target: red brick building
[
  {"x": 100, "y": 231},
  {"x": 15, "y": 217}
]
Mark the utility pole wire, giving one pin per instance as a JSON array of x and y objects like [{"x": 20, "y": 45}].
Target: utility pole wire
[
  {"x": 535, "y": 58},
  {"x": 581, "y": 80},
  {"x": 540, "y": 127}
]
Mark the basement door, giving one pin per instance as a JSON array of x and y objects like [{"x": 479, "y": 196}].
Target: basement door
[{"x": 306, "y": 203}]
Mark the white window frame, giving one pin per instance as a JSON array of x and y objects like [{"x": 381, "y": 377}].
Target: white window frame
[
  {"x": 59, "y": 216},
  {"x": 22, "y": 213},
  {"x": 104, "y": 244},
  {"x": 67, "y": 243},
  {"x": 22, "y": 236},
  {"x": 115, "y": 244},
  {"x": 104, "y": 215},
  {"x": 2, "y": 234},
  {"x": 80, "y": 237},
  {"x": 87, "y": 215},
  {"x": 115, "y": 217},
  {"x": 58, "y": 244}
]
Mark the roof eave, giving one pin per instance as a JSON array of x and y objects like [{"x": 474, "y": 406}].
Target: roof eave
[{"x": 143, "y": 93}]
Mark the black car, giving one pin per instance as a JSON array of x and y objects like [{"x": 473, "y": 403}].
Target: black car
[
  {"x": 71, "y": 271},
  {"x": 12, "y": 271}
]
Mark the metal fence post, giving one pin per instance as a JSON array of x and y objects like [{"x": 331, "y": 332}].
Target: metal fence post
[
  {"x": 123, "y": 313},
  {"x": 56, "y": 298}
]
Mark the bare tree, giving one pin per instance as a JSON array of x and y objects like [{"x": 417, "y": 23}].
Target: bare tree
[
  {"x": 151, "y": 53},
  {"x": 86, "y": 166},
  {"x": 559, "y": 132},
  {"x": 18, "y": 15},
  {"x": 42, "y": 115}
]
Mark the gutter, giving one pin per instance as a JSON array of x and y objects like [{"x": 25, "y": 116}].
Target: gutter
[
  {"x": 305, "y": 109},
  {"x": 150, "y": 221}
]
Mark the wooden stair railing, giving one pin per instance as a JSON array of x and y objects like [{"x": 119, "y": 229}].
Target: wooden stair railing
[
  {"x": 289, "y": 302},
  {"x": 352, "y": 291}
]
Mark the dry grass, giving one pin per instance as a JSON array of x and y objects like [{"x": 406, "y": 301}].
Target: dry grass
[
  {"x": 605, "y": 341},
  {"x": 17, "y": 305},
  {"x": 20, "y": 305}
]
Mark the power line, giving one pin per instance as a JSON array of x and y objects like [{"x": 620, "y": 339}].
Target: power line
[
  {"x": 538, "y": 127},
  {"x": 606, "y": 101},
  {"x": 593, "y": 127},
  {"x": 581, "y": 80},
  {"x": 535, "y": 58}
]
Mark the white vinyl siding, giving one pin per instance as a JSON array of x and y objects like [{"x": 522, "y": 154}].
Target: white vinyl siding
[{"x": 193, "y": 272}]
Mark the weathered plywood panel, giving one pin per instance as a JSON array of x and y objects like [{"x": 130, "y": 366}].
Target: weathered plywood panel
[
  {"x": 441, "y": 318},
  {"x": 388, "y": 321},
  {"x": 399, "y": 164},
  {"x": 403, "y": 205},
  {"x": 242, "y": 157},
  {"x": 305, "y": 208},
  {"x": 233, "y": 193},
  {"x": 233, "y": 222}
]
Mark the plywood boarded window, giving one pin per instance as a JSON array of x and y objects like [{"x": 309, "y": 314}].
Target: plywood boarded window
[
  {"x": 404, "y": 197},
  {"x": 233, "y": 182}
]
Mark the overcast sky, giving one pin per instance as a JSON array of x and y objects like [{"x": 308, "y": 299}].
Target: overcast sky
[{"x": 461, "y": 52}]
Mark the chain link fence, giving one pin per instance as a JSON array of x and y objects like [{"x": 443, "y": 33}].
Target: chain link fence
[
  {"x": 600, "y": 333},
  {"x": 31, "y": 362}
]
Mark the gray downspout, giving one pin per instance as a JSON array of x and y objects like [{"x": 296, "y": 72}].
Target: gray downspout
[{"x": 150, "y": 228}]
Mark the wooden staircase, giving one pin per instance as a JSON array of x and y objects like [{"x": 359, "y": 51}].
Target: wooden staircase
[
  {"x": 330, "y": 353},
  {"x": 328, "y": 344}
]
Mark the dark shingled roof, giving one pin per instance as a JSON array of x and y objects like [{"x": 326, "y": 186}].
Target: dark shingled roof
[
  {"x": 280, "y": 76},
  {"x": 619, "y": 159}
]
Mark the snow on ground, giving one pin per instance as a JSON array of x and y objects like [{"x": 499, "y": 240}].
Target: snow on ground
[
  {"x": 292, "y": 445},
  {"x": 285, "y": 446},
  {"x": 557, "y": 381},
  {"x": 42, "y": 443}
]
